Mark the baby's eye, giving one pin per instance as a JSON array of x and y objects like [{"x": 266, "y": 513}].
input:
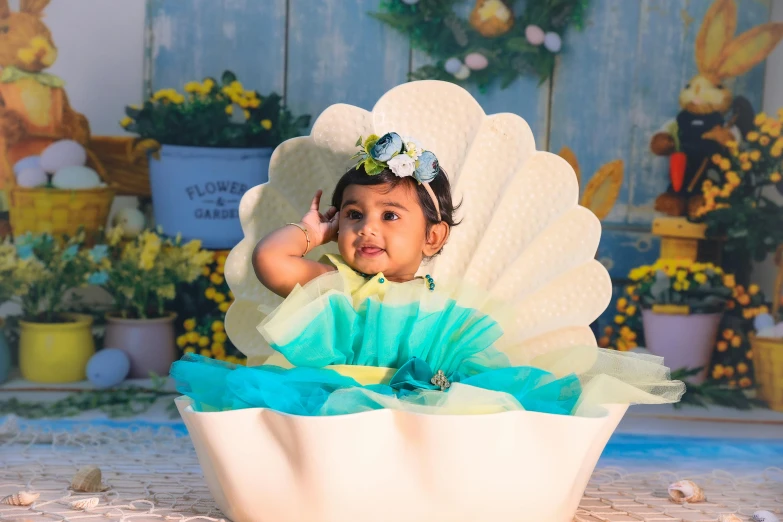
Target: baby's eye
[
  {"x": 390, "y": 216},
  {"x": 353, "y": 214}
]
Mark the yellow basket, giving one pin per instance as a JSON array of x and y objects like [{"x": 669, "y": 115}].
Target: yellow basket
[
  {"x": 58, "y": 211},
  {"x": 768, "y": 352}
]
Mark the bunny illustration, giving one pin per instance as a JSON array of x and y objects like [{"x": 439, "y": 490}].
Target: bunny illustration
[
  {"x": 603, "y": 189},
  {"x": 34, "y": 109},
  {"x": 700, "y": 129}
]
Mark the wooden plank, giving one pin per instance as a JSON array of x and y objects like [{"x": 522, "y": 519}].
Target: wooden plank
[
  {"x": 592, "y": 104},
  {"x": 622, "y": 249},
  {"x": 339, "y": 54},
  {"x": 664, "y": 66},
  {"x": 199, "y": 38}
]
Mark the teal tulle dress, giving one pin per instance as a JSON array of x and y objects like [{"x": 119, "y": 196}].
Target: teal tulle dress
[{"x": 347, "y": 344}]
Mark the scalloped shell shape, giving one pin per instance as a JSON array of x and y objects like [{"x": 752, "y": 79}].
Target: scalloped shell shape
[{"x": 523, "y": 235}]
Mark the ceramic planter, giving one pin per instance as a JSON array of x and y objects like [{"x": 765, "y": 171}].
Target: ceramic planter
[
  {"x": 149, "y": 343},
  {"x": 56, "y": 352}
]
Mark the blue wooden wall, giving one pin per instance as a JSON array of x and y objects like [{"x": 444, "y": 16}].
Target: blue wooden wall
[{"x": 614, "y": 85}]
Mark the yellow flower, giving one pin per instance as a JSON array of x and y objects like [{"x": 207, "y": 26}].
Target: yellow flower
[
  {"x": 700, "y": 278},
  {"x": 205, "y": 271},
  {"x": 182, "y": 341},
  {"x": 725, "y": 164},
  {"x": 753, "y": 289},
  {"x": 114, "y": 235},
  {"x": 619, "y": 319},
  {"x": 221, "y": 259},
  {"x": 722, "y": 346},
  {"x": 246, "y": 113},
  {"x": 166, "y": 291},
  {"x": 755, "y": 155},
  {"x": 729, "y": 372},
  {"x": 203, "y": 341},
  {"x": 126, "y": 121},
  {"x": 744, "y": 299},
  {"x": 678, "y": 286},
  {"x": 775, "y": 131},
  {"x": 218, "y": 350},
  {"x": 745, "y": 382},
  {"x": 764, "y": 141},
  {"x": 631, "y": 310},
  {"x": 206, "y": 353},
  {"x": 217, "y": 326},
  {"x": 749, "y": 354},
  {"x": 716, "y": 158},
  {"x": 219, "y": 337},
  {"x": 717, "y": 371},
  {"x": 236, "y": 86},
  {"x": 209, "y": 293},
  {"x": 267, "y": 124},
  {"x": 752, "y": 136},
  {"x": 189, "y": 324},
  {"x": 736, "y": 341},
  {"x": 255, "y": 103},
  {"x": 682, "y": 275},
  {"x": 732, "y": 177},
  {"x": 742, "y": 368},
  {"x": 229, "y": 109},
  {"x": 216, "y": 279},
  {"x": 747, "y": 166},
  {"x": 219, "y": 298},
  {"x": 776, "y": 151},
  {"x": 760, "y": 118},
  {"x": 622, "y": 303},
  {"x": 728, "y": 280},
  {"x": 193, "y": 87},
  {"x": 775, "y": 177},
  {"x": 192, "y": 337},
  {"x": 223, "y": 307}
]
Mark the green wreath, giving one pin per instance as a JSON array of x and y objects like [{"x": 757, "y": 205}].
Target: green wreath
[{"x": 492, "y": 45}]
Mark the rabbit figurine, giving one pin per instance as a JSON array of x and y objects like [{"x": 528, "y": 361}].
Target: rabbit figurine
[
  {"x": 700, "y": 129},
  {"x": 34, "y": 109}
]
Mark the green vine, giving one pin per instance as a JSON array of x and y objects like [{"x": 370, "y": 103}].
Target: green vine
[
  {"x": 433, "y": 27},
  {"x": 702, "y": 395}
]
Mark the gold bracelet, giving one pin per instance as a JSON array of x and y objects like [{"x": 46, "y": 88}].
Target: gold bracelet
[{"x": 307, "y": 236}]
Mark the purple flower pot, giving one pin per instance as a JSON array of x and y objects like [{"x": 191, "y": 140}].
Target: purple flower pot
[
  {"x": 684, "y": 341},
  {"x": 149, "y": 343}
]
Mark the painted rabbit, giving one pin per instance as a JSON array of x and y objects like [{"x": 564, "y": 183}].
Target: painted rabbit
[
  {"x": 34, "y": 109},
  {"x": 700, "y": 129}
]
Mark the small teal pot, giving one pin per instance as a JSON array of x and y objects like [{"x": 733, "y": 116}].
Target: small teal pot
[
  {"x": 5, "y": 357},
  {"x": 196, "y": 191}
]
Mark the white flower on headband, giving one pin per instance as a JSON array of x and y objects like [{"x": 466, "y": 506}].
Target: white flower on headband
[
  {"x": 402, "y": 165},
  {"x": 412, "y": 147}
]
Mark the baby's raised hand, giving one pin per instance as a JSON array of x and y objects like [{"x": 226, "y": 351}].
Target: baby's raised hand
[{"x": 322, "y": 226}]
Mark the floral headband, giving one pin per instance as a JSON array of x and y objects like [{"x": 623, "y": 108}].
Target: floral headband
[{"x": 403, "y": 156}]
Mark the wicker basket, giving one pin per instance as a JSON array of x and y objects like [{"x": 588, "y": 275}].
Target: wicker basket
[{"x": 768, "y": 352}]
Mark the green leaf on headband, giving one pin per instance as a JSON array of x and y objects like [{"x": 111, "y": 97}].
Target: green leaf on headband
[
  {"x": 359, "y": 142},
  {"x": 372, "y": 167},
  {"x": 370, "y": 142}
]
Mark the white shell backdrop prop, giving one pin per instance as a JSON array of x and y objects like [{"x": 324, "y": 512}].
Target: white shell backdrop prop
[{"x": 524, "y": 238}]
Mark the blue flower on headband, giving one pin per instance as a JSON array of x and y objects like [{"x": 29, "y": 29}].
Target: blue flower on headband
[
  {"x": 387, "y": 146},
  {"x": 428, "y": 167}
]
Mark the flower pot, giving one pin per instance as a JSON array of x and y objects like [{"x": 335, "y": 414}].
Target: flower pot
[
  {"x": 149, "y": 343},
  {"x": 196, "y": 190},
  {"x": 684, "y": 341},
  {"x": 56, "y": 352},
  {"x": 5, "y": 357}
]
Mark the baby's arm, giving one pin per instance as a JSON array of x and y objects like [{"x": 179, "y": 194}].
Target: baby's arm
[{"x": 277, "y": 258}]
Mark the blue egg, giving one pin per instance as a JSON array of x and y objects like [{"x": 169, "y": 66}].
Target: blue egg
[
  {"x": 763, "y": 321},
  {"x": 30, "y": 162},
  {"x": 108, "y": 368}
]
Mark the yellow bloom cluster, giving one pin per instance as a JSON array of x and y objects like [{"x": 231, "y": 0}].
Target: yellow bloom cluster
[
  {"x": 168, "y": 95},
  {"x": 245, "y": 99},
  {"x": 200, "y": 88},
  {"x": 218, "y": 291},
  {"x": 684, "y": 272},
  {"x": 207, "y": 340}
]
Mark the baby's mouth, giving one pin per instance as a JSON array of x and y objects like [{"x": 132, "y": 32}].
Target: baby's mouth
[{"x": 370, "y": 251}]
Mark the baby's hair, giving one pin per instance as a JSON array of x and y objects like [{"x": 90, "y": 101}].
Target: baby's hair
[{"x": 440, "y": 186}]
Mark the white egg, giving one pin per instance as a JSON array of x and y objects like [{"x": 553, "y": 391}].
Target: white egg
[
  {"x": 76, "y": 178},
  {"x": 108, "y": 368},
  {"x": 32, "y": 177},
  {"x": 452, "y": 65},
  {"x": 131, "y": 220},
  {"x": 552, "y": 42},
  {"x": 26, "y": 163},
  {"x": 463, "y": 73},
  {"x": 61, "y": 154},
  {"x": 764, "y": 516}
]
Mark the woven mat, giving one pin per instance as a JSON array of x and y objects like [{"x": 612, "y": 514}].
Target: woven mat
[{"x": 153, "y": 475}]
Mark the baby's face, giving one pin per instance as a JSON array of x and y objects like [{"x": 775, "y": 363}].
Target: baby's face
[{"x": 382, "y": 230}]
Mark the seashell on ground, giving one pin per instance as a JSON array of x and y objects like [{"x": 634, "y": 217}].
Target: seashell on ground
[
  {"x": 88, "y": 480},
  {"x": 20, "y": 498},
  {"x": 686, "y": 491},
  {"x": 764, "y": 516},
  {"x": 85, "y": 503},
  {"x": 729, "y": 518}
]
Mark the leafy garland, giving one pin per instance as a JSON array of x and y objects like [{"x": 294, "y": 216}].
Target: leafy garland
[{"x": 462, "y": 54}]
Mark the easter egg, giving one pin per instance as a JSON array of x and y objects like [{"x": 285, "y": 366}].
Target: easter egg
[
  {"x": 76, "y": 177},
  {"x": 108, "y": 368},
  {"x": 552, "y": 42},
  {"x": 476, "y": 61},
  {"x": 131, "y": 220},
  {"x": 764, "y": 516},
  {"x": 534, "y": 34},
  {"x": 26, "y": 163},
  {"x": 763, "y": 322},
  {"x": 452, "y": 65},
  {"x": 32, "y": 177},
  {"x": 61, "y": 154},
  {"x": 463, "y": 73}
]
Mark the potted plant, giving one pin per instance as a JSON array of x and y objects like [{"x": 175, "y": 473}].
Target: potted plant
[
  {"x": 142, "y": 275},
  {"x": 736, "y": 205},
  {"x": 682, "y": 305},
  {"x": 216, "y": 141},
  {"x": 54, "y": 345},
  {"x": 8, "y": 261}
]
